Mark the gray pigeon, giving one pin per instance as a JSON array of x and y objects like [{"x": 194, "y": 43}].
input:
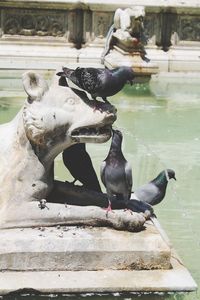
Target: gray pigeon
[
  {"x": 154, "y": 191},
  {"x": 99, "y": 82},
  {"x": 116, "y": 173}
]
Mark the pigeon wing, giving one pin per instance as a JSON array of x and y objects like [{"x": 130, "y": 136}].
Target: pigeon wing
[
  {"x": 89, "y": 79},
  {"x": 102, "y": 172},
  {"x": 147, "y": 193},
  {"x": 128, "y": 173},
  {"x": 81, "y": 94}
]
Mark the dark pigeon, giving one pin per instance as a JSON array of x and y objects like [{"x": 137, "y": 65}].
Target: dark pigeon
[
  {"x": 97, "y": 105},
  {"x": 116, "y": 173},
  {"x": 79, "y": 164},
  {"x": 154, "y": 191},
  {"x": 139, "y": 206},
  {"x": 62, "y": 81},
  {"x": 99, "y": 82}
]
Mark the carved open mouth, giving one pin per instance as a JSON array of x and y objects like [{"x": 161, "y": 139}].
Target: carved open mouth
[{"x": 91, "y": 132}]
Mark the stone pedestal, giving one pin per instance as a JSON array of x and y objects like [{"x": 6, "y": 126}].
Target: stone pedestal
[
  {"x": 82, "y": 249},
  {"x": 118, "y": 57},
  {"x": 98, "y": 260}
]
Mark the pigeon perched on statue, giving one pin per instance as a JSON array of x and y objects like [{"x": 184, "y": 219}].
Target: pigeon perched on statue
[
  {"x": 97, "y": 105},
  {"x": 116, "y": 173},
  {"x": 154, "y": 191},
  {"x": 79, "y": 164},
  {"x": 63, "y": 82},
  {"x": 99, "y": 82}
]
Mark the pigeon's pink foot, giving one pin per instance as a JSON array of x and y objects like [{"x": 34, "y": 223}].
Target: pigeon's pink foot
[{"x": 108, "y": 209}]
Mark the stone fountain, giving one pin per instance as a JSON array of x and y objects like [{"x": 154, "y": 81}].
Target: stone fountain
[
  {"x": 55, "y": 237},
  {"x": 126, "y": 40}
]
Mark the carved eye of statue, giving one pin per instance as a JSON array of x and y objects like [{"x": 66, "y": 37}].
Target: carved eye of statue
[{"x": 70, "y": 101}]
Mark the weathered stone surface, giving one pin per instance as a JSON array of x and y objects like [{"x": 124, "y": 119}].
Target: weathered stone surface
[
  {"x": 55, "y": 19},
  {"x": 30, "y": 215},
  {"x": 118, "y": 57},
  {"x": 76, "y": 249},
  {"x": 103, "y": 5},
  {"x": 176, "y": 279}
]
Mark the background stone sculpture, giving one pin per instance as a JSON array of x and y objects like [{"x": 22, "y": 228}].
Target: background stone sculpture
[
  {"x": 52, "y": 119},
  {"x": 127, "y": 31}
]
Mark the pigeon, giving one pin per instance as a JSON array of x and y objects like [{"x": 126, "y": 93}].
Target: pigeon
[
  {"x": 63, "y": 82},
  {"x": 97, "y": 105},
  {"x": 99, "y": 82},
  {"x": 116, "y": 173},
  {"x": 154, "y": 191},
  {"x": 79, "y": 164}
]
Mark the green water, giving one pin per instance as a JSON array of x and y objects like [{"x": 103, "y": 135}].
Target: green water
[{"x": 159, "y": 132}]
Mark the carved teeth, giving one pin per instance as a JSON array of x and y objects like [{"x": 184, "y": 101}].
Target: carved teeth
[{"x": 91, "y": 131}]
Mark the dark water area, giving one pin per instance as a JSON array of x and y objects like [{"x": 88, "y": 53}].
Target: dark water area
[
  {"x": 161, "y": 130},
  {"x": 90, "y": 296}
]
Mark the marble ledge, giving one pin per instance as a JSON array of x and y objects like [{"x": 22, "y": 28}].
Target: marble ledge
[{"x": 103, "y": 5}]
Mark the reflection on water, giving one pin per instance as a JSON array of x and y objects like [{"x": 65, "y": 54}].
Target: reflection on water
[{"x": 159, "y": 132}]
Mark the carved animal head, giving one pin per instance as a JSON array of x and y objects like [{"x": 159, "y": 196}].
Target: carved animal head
[{"x": 55, "y": 117}]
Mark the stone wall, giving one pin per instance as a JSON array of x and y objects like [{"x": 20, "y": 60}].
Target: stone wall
[
  {"x": 173, "y": 27},
  {"x": 79, "y": 23},
  {"x": 44, "y": 34}
]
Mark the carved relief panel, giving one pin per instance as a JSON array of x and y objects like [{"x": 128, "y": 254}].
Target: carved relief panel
[
  {"x": 152, "y": 28},
  {"x": 189, "y": 28},
  {"x": 34, "y": 22},
  {"x": 101, "y": 22},
  {"x": 85, "y": 26}
]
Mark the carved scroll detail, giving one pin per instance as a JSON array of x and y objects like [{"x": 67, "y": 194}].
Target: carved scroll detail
[
  {"x": 189, "y": 28},
  {"x": 34, "y": 23}
]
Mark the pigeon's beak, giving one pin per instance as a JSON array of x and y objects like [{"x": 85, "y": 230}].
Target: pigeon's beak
[
  {"x": 60, "y": 74},
  {"x": 174, "y": 178}
]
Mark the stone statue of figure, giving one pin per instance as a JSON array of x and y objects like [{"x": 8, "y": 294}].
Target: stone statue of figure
[
  {"x": 127, "y": 31},
  {"x": 52, "y": 119}
]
